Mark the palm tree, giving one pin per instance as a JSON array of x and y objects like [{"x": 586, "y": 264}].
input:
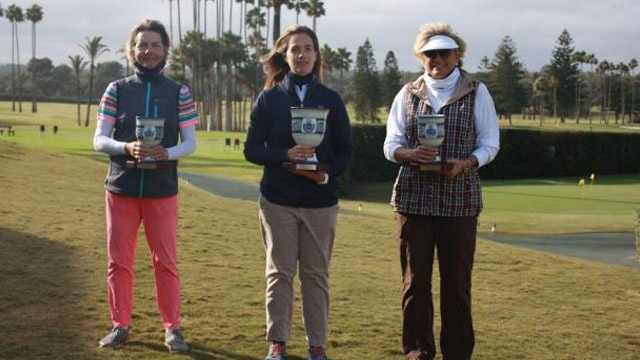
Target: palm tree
[
  {"x": 632, "y": 65},
  {"x": 171, "y": 20},
  {"x": 579, "y": 57},
  {"x": 298, "y": 6},
  {"x": 241, "y": 22},
  {"x": 623, "y": 70},
  {"x": 233, "y": 53},
  {"x": 255, "y": 21},
  {"x": 554, "y": 84},
  {"x": 344, "y": 63},
  {"x": 180, "y": 35},
  {"x": 34, "y": 14},
  {"x": 15, "y": 16},
  {"x": 277, "y": 4},
  {"x": 315, "y": 9},
  {"x": 77, "y": 64},
  {"x": 94, "y": 48},
  {"x": 603, "y": 68},
  {"x": 123, "y": 51},
  {"x": 246, "y": 12},
  {"x": 205, "y": 18},
  {"x": 267, "y": 4},
  {"x": 540, "y": 88},
  {"x": 329, "y": 59}
]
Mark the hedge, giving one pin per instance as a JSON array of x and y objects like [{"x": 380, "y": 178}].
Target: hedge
[{"x": 523, "y": 154}]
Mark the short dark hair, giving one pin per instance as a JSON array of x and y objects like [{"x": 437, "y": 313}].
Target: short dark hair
[{"x": 147, "y": 25}]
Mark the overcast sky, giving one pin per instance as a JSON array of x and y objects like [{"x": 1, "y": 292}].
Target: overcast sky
[{"x": 607, "y": 28}]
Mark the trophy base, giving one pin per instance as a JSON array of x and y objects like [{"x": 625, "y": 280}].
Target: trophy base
[
  {"x": 147, "y": 165},
  {"x": 305, "y": 166},
  {"x": 433, "y": 166}
]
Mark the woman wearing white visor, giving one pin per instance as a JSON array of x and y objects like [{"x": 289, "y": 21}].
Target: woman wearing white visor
[{"x": 439, "y": 209}]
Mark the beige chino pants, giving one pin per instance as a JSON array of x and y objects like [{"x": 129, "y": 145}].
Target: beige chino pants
[{"x": 297, "y": 237}]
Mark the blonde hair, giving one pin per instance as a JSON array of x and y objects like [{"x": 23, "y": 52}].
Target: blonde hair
[
  {"x": 275, "y": 62},
  {"x": 146, "y": 25},
  {"x": 440, "y": 28}
]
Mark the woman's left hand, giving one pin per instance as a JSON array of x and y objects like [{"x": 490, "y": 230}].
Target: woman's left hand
[
  {"x": 314, "y": 175},
  {"x": 458, "y": 167},
  {"x": 158, "y": 152}
]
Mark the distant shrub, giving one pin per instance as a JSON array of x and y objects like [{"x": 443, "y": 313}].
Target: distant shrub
[{"x": 523, "y": 154}]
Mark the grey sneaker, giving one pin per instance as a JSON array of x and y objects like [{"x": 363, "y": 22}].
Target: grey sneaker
[
  {"x": 276, "y": 351},
  {"x": 174, "y": 341},
  {"x": 317, "y": 353},
  {"x": 116, "y": 338}
]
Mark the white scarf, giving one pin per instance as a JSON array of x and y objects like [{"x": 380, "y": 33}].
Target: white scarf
[{"x": 440, "y": 90}]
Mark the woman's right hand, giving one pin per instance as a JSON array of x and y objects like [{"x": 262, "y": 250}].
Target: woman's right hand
[
  {"x": 135, "y": 149},
  {"x": 421, "y": 154},
  {"x": 300, "y": 153}
]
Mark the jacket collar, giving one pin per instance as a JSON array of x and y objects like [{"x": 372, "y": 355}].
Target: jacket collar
[
  {"x": 288, "y": 85},
  {"x": 464, "y": 85}
]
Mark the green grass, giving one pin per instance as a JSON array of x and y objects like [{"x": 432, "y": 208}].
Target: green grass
[{"x": 527, "y": 304}]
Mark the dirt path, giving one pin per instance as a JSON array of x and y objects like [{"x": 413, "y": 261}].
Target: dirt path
[{"x": 616, "y": 248}]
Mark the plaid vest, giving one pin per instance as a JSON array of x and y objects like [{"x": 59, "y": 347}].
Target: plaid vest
[{"x": 426, "y": 192}]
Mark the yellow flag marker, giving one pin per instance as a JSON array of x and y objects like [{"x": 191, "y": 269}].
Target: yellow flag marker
[
  {"x": 581, "y": 184},
  {"x": 592, "y": 177}
]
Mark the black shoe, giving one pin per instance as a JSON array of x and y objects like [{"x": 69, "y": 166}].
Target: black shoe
[
  {"x": 116, "y": 338},
  {"x": 174, "y": 341}
]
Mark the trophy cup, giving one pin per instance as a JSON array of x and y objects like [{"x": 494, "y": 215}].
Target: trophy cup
[
  {"x": 307, "y": 128},
  {"x": 431, "y": 133},
  {"x": 149, "y": 131}
]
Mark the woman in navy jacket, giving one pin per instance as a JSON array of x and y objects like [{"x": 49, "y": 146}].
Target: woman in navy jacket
[{"x": 298, "y": 208}]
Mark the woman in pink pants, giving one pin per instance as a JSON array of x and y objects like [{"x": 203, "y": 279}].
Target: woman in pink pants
[{"x": 147, "y": 194}]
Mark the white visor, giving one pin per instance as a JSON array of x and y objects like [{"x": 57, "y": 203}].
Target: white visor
[{"x": 438, "y": 42}]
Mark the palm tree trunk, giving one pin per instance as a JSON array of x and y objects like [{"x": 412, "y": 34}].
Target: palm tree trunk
[
  {"x": 622, "y": 98},
  {"x": 228, "y": 118},
  {"x": 13, "y": 67},
  {"x": 205, "y": 19},
  {"x": 34, "y": 101},
  {"x": 171, "y": 22},
  {"x": 276, "y": 23},
  {"x": 184, "y": 70},
  {"x": 219, "y": 95},
  {"x": 19, "y": 72},
  {"x": 266, "y": 39},
  {"x": 91, "y": 69},
  {"x": 230, "y": 14},
  {"x": 78, "y": 97}
]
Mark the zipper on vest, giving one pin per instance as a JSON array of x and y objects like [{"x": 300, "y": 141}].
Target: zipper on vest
[{"x": 146, "y": 114}]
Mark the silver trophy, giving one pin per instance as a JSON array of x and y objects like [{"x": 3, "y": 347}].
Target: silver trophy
[
  {"x": 307, "y": 128},
  {"x": 431, "y": 133},
  {"x": 149, "y": 131}
]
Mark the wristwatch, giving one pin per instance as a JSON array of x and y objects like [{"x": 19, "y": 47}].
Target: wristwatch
[{"x": 325, "y": 180}]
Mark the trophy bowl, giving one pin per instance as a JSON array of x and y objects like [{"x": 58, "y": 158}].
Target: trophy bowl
[
  {"x": 149, "y": 131},
  {"x": 307, "y": 128},
  {"x": 430, "y": 129},
  {"x": 431, "y": 133}
]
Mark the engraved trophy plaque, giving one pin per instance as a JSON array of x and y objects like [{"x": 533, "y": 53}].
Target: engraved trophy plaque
[
  {"x": 307, "y": 128},
  {"x": 149, "y": 131}
]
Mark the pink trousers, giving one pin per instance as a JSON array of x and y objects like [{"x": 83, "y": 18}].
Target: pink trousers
[{"x": 160, "y": 219}]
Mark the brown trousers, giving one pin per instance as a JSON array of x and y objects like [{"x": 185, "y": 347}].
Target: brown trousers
[{"x": 455, "y": 241}]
